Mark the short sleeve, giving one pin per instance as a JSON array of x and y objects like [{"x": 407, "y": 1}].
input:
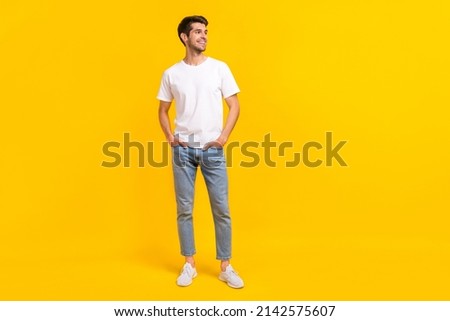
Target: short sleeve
[
  {"x": 164, "y": 93},
  {"x": 229, "y": 85}
]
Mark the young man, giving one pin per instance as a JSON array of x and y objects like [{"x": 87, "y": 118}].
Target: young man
[{"x": 198, "y": 84}]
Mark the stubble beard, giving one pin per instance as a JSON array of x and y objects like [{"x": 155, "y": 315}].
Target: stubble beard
[{"x": 196, "y": 48}]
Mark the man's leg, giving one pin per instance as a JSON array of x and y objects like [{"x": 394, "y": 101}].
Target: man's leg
[
  {"x": 215, "y": 174},
  {"x": 185, "y": 170}
]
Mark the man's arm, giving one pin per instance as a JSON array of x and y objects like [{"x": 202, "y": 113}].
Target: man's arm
[
  {"x": 164, "y": 121},
  {"x": 233, "y": 115}
]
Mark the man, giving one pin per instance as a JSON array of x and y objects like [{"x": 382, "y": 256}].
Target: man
[{"x": 198, "y": 84}]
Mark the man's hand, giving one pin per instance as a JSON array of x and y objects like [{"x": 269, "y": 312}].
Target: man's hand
[
  {"x": 218, "y": 143},
  {"x": 175, "y": 141}
]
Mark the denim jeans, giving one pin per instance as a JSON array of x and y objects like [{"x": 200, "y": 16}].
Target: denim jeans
[{"x": 185, "y": 161}]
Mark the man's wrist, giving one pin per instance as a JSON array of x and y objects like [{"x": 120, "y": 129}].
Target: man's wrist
[
  {"x": 222, "y": 140},
  {"x": 170, "y": 138}
]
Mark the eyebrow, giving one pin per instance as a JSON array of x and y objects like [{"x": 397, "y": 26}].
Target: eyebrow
[{"x": 198, "y": 29}]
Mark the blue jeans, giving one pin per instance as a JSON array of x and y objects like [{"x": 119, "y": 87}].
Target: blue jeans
[{"x": 185, "y": 161}]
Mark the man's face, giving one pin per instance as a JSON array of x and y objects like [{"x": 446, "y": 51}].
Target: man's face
[{"x": 198, "y": 37}]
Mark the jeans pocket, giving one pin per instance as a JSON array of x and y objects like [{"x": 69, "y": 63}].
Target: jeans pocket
[
  {"x": 215, "y": 150},
  {"x": 214, "y": 157}
]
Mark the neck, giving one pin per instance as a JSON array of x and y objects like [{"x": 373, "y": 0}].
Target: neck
[{"x": 194, "y": 58}]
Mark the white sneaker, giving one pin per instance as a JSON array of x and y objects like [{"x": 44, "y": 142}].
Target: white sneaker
[
  {"x": 187, "y": 274},
  {"x": 231, "y": 277}
]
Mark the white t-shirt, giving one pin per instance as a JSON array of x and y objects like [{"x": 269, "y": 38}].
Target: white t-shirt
[{"x": 198, "y": 92}]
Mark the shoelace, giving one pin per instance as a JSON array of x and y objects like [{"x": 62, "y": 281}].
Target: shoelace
[
  {"x": 187, "y": 270},
  {"x": 233, "y": 271}
]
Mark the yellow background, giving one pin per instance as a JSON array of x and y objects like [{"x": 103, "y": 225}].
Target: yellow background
[{"x": 75, "y": 75}]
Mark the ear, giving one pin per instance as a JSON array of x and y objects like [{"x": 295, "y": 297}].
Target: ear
[{"x": 184, "y": 37}]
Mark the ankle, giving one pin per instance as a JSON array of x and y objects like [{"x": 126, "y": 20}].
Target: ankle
[
  {"x": 190, "y": 260},
  {"x": 224, "y": 264}
]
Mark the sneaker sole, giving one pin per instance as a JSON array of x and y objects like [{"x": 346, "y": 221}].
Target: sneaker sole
[
  {"x": 229, "y": 284},
  {"x": 183, "y": 285}
]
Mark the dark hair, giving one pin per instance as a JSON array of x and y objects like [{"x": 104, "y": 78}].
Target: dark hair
[{"x": 185, "y": 25}]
